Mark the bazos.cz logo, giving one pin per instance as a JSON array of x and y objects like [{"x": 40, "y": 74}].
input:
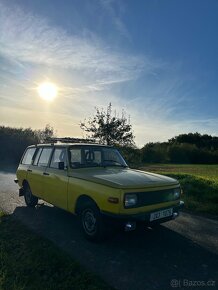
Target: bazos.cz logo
[{"x": 178, "y": 283}]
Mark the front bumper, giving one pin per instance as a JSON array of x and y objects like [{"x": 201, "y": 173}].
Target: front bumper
[
  {"x": 21, "y": 189},
  {"x": 145, "y": 217}
]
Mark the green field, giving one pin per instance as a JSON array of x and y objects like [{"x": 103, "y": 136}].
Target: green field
[
  {"x": 29, "y": 262},
  {"x": 199, "y": 183}
]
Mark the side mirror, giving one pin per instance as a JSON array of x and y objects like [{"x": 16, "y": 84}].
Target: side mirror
[{"x": 61, "y": 165}]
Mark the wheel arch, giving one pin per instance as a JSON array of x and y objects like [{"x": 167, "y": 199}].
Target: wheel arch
[
  {"x": 82, "y": 199},
  {"x": 25, "y": 182}
]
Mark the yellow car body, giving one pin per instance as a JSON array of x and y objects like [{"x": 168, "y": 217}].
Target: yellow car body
[{"x": 116, "y": 190}]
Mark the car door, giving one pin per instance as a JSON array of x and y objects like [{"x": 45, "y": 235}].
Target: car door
[
  {"x": 37, "y": 169},
  {"x": 56, "y": 180}
]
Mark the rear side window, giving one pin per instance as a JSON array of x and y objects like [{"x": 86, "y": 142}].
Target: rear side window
[
  {"x": 59, "y": 155},
  {"x": 45, "y": 156},
  {"x": 27, "y": 159},
  {"x": 36, "y": 160}
]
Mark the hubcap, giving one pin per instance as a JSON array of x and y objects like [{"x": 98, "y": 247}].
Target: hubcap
[{"x": 89, "y": 221}]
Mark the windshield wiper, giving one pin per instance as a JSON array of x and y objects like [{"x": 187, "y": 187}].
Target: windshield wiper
[{"x": 115, "y": 163}]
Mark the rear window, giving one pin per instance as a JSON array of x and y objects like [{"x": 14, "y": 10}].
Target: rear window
[
  {"x": 28, "y": 156},
  {"x": 45, "y": 156}
]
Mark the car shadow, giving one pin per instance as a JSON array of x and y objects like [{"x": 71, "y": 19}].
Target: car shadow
[{"x": 144, "y": 259}]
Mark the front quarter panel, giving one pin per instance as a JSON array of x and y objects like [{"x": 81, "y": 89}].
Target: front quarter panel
[{"x": 99, "y": 193}]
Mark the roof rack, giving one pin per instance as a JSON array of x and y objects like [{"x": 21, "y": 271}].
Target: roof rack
[{"x": 71, "y": 140}]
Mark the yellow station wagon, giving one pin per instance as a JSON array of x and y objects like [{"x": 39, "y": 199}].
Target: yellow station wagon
[{"x": 94, "y": 182}]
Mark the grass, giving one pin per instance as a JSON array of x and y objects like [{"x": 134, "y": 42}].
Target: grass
[
  {"x": 28, "y": 262},
  {"x": 199, "y": 183}
]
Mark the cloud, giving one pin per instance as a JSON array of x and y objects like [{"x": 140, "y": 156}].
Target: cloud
[
  {"x": 108, "y": 5},
  {"x": 27, "y": 38},
  {"x": 161, "y": 129},
  {"x": 89, "y": 73}
]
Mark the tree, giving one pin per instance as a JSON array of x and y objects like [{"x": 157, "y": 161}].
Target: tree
[
  {"x": 13, "y": 142},
  {"x": 154, "y": 152},
  {"x": 201, "y": 141},
  {"x": 43, "y": 135},
  {"x": 109, "y": 128}
]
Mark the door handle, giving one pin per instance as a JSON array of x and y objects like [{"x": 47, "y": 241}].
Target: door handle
[
  {"x": 45, "y": 173},
  {"x": 30, "y": 170}
]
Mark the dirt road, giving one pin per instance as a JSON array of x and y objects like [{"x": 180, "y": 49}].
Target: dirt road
[{"x": 181, "y": 254}]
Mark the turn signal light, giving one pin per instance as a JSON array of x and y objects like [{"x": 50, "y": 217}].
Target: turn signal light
[{"x": 113, "y": 199}]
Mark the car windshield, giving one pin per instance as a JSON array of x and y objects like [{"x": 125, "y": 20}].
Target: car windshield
[{"x": 95, "y": 156}]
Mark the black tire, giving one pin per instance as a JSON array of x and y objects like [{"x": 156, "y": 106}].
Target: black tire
[
  {"x": 30, "y": 199},
  {"x": 92, "y": 222}
]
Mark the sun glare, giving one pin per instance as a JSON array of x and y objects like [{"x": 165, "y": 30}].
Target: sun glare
[{"x": 47, "y": 91}]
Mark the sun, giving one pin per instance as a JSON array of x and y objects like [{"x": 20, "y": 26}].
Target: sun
[{"x": 47, "y": 91}]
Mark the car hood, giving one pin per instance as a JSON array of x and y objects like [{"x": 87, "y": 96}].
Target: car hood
[{"x": 123, "y": 178}]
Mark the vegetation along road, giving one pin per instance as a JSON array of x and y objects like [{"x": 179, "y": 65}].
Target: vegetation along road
[
  {"x": 199, "y": 183},
  {"x": 184, "y": 249}
]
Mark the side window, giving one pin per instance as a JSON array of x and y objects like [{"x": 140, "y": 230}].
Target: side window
[
  {"x": 92, "y": 156},
  {"x": 27, "y": 159},
  {"x": 36, "y": 160},
  {"x": 44, "y": 157},
  {"x": 76, "y": 157},
  {"x": 98, "y": 157},
  {"x": 59, "y": 155}
]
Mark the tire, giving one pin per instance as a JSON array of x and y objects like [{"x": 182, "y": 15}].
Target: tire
[
  {"x": 30, "y": 199},
  {"x": 92, "y": 222}
]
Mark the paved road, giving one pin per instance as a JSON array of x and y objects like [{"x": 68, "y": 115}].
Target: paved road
[{"x": 181, "y": 250}]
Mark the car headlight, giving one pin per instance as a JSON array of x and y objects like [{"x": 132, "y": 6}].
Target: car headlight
[
  {"x": 176, "y": 193},
  {"x": 130, "y": 200}
]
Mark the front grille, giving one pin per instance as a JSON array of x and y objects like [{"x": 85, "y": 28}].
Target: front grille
[{"x": 153, "y": 197}]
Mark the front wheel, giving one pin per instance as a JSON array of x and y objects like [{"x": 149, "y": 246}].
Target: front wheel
[
  {"x": 30, "y": 199},
  {"x": 92, "y": 223}
]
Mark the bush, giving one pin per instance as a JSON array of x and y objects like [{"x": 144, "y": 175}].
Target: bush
[
  {"x": 154, "y": 152},
  {"x": 131, "y": 155},
  {"x": 200, "y": 194},
  {"x": 13, "y": 142},
  {"x": 182, "y": 153}
]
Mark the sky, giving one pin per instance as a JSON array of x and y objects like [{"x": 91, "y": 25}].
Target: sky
[{"x": 157, "y": 60}]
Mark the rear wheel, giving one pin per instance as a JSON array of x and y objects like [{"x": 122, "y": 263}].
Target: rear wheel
[
  {"x": 92, "y": 222},
  {"x": 30, "y": 199}
]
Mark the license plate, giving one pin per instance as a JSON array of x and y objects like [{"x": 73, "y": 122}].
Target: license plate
[{"x": 161, "y": 214}]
